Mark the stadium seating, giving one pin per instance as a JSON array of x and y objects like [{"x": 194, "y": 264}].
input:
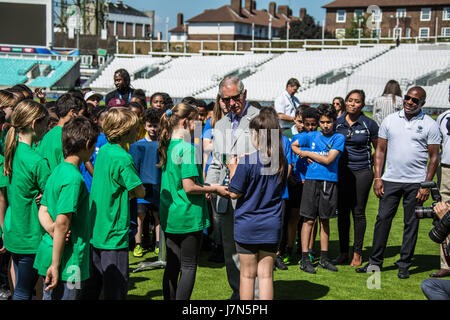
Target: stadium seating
[{"x": 14, "y": 71}]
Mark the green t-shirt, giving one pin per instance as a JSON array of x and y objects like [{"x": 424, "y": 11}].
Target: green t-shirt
[
  {"x": 66, "y": 192},
  {"x": 4, "y": 181},
  {"x": 114, "y": 176},
  {"x": 22, "y": 230},
  {"x": 50, "y": 147},
  {"x": 179, "y": 212}
]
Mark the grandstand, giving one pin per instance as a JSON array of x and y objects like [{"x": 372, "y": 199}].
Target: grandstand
[
  {"x": 43, "y": 71},
  {"x": 323, "y": 74}
]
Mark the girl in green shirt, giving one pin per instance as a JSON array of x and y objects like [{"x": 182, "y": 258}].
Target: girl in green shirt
[
  {"x": 183, "y": 209},
  {"x": 28, "y": 173}
]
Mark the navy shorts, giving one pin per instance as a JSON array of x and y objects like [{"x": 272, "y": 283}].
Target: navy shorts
[{"x": 245, "y": 248}]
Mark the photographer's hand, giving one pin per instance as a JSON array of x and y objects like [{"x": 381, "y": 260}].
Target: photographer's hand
[
  {"x": 441, "y": 208},
  {"x": 422, "y": 195}
]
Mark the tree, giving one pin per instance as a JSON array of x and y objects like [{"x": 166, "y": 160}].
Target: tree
[
  {"x": 358, "y": 28},
  {"x": 304, "y": 29}
]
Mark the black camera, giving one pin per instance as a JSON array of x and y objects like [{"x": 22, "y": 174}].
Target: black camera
[{"x": 428, "y": 212}]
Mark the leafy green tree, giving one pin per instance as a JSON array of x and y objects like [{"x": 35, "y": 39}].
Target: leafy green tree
[
  {"x": 305, "y": 29},
  {"x": 358, "y": 28}
]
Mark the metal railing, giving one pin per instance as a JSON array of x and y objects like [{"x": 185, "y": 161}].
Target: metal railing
[{"x": 195, "y": 47}]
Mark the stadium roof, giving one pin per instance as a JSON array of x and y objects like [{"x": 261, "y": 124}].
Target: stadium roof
[
  {"x": 226, "y": 14},
  {"x": 384, "y": 3},
  {"x": 119, "y": 8}
]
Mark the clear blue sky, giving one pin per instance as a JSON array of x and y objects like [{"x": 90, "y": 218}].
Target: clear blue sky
[{"x": 191, "y": 8}]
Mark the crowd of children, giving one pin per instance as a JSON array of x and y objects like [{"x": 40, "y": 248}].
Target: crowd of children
[{"x": 82, "y": 182}]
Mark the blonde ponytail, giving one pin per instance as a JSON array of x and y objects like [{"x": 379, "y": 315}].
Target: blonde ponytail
[
  {"x": 22, "y": 118},
  {"x": 168, "y": 122}
]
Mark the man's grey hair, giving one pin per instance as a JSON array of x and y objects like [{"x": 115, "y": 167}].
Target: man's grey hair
[{"x": 231, "y": 80}]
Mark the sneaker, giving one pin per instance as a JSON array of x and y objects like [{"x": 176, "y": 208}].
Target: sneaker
[
  {"x": 279, "y": 263},
  {"x": 307, "y": 267},
  {"x": 138, "y": 251},
  {"x": 328, "y": 265},
  {"x": 287, "y": 258}
]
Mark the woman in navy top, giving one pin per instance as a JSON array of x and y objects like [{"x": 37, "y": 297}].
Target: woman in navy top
[
  {"x": 259, "y": 186},
  {"x": 355, "y": 174}
]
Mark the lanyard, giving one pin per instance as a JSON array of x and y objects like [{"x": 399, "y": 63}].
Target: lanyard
[{"x": 129, "y": 96}]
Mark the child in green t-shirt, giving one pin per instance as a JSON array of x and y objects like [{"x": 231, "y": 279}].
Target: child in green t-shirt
[
  {"x": 67, "y": 107},
  {"x": 27, "y": 172},
  {"x": 64, "y": 207},
  {"x": 115, "y": 181},
  {"x": 183, "y": 208}
]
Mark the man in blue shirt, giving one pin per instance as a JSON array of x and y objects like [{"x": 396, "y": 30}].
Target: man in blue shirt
[{"x": 319, "y": 198}]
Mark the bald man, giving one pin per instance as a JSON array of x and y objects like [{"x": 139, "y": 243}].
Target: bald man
[{"x": 408, "y": 137}]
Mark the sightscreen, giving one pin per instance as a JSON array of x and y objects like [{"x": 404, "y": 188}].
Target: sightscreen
[{"x": 23, "y": 24}]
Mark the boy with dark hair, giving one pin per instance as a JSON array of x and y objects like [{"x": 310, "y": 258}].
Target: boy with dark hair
[
  {"x": 50, "y": 147},
  {"x": 64, "y": 261},
  {"x": 319, "y": 197},
  {"x": 145, "y": 155}
]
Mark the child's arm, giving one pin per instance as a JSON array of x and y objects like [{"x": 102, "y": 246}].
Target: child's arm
[
  {"x": 295, "y": 146},
  {"x": 138, "y": 192},
  {"x": 191, "y": 187},
  {"x": 89, "y": 167},
  {"x": 232, "y": 166},
  {"x": 46, "y": 220},
  {"x": 62, "y": 226},
  {"x": 325, "y": 160},
  {"x": 2, "y": 214}
]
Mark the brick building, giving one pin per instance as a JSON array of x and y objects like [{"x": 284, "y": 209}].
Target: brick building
[
  {"x": 399, "y": 18},
  {"x": 237, "y": 22}
]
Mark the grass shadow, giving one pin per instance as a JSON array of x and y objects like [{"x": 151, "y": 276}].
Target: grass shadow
[{"x": 289, "y": 290}]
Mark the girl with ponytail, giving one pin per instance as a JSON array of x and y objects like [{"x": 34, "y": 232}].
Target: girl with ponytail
[
  {"x": 28, "y": 173},
  {"x": 183, "y": 208}
]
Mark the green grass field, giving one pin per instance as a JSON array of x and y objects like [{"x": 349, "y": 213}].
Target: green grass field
[{"x": 294, "y": 284}]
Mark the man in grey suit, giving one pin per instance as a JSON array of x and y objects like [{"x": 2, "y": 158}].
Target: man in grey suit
[{"x": 231, "y": 137}]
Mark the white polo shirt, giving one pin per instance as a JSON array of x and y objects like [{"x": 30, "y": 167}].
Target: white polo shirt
[
  {"x": 407, "y": 146},
  {"x": 444, "y": 125},
  {"x": 286, "y": 104}
]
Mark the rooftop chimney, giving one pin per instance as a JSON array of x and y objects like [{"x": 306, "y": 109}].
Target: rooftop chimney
[
  {"x": 302, "y": 13},
  {"x": 249, "y": 5},
  {"x": 272, "y": 8},
  {"x": 253, "y": 4},
  {"x": 283, "y": 10},
  {"x": 180, "y": 19},
  {"x": 236, "y": 6}
]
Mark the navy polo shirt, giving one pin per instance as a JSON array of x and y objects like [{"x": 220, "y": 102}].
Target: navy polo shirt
[
  {"x": 257, "y": 217},
  {"x": 357, "y": 153}
]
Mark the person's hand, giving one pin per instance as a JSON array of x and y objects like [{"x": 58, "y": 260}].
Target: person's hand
[
  {"x": 38, "y": 199},
  {"x": 441, "y": 208},
  {"x": 52, "y": 277},
  {"x": 68, "y": 235},
  {"x": 422, "y": 195},
  {"x": 378, "y": 188},
  {"x": 222, "y": 191},
  {"x": 233, "y": 163},
  {"x": 39, "y": 94}
]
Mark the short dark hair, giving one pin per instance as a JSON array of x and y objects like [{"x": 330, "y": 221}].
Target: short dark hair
[
  {"x": 293, "y": 83},
  {"x": 125, "y": 75},
  {"x": 310, "y": 113},
  {"x": 24, "y": 88},
  {"x": 98, "y": 111},
  {"x": 327, "y": 110},
  {"x": 152, "y": 115},
  {"x": 76, "y": 93},
  {"x": 67, "y": 102},
  {"x": 201, "y": 103},
  {"x": 300, "y": 109},
  {"x": 136, "y": 105},
  {"x": 76, "y": 133},
  {"x": 140, "y": 94},
  {"x": 190, "y": 100}
]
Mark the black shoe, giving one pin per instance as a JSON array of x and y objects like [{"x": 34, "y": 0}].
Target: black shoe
[
  {"x": 307, "y": 267},
  {"x": 279, "y": 263},
  {"x": 368, "y": 266},
  {"x": 403, "y": 273},
  {"x": 327, "y": 265}
]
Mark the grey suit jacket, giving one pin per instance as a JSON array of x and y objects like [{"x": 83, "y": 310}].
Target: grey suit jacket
[{"x": 224, "y": 144}]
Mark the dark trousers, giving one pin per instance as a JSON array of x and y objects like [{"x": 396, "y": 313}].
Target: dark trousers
[
  {"x": 388, "y": 206},
  {"x": 26, "y": 276},
  {"x": 353, "y": 190},
  {"x": 183, "y": 252},
  {"x": 108, "y": 272}
]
